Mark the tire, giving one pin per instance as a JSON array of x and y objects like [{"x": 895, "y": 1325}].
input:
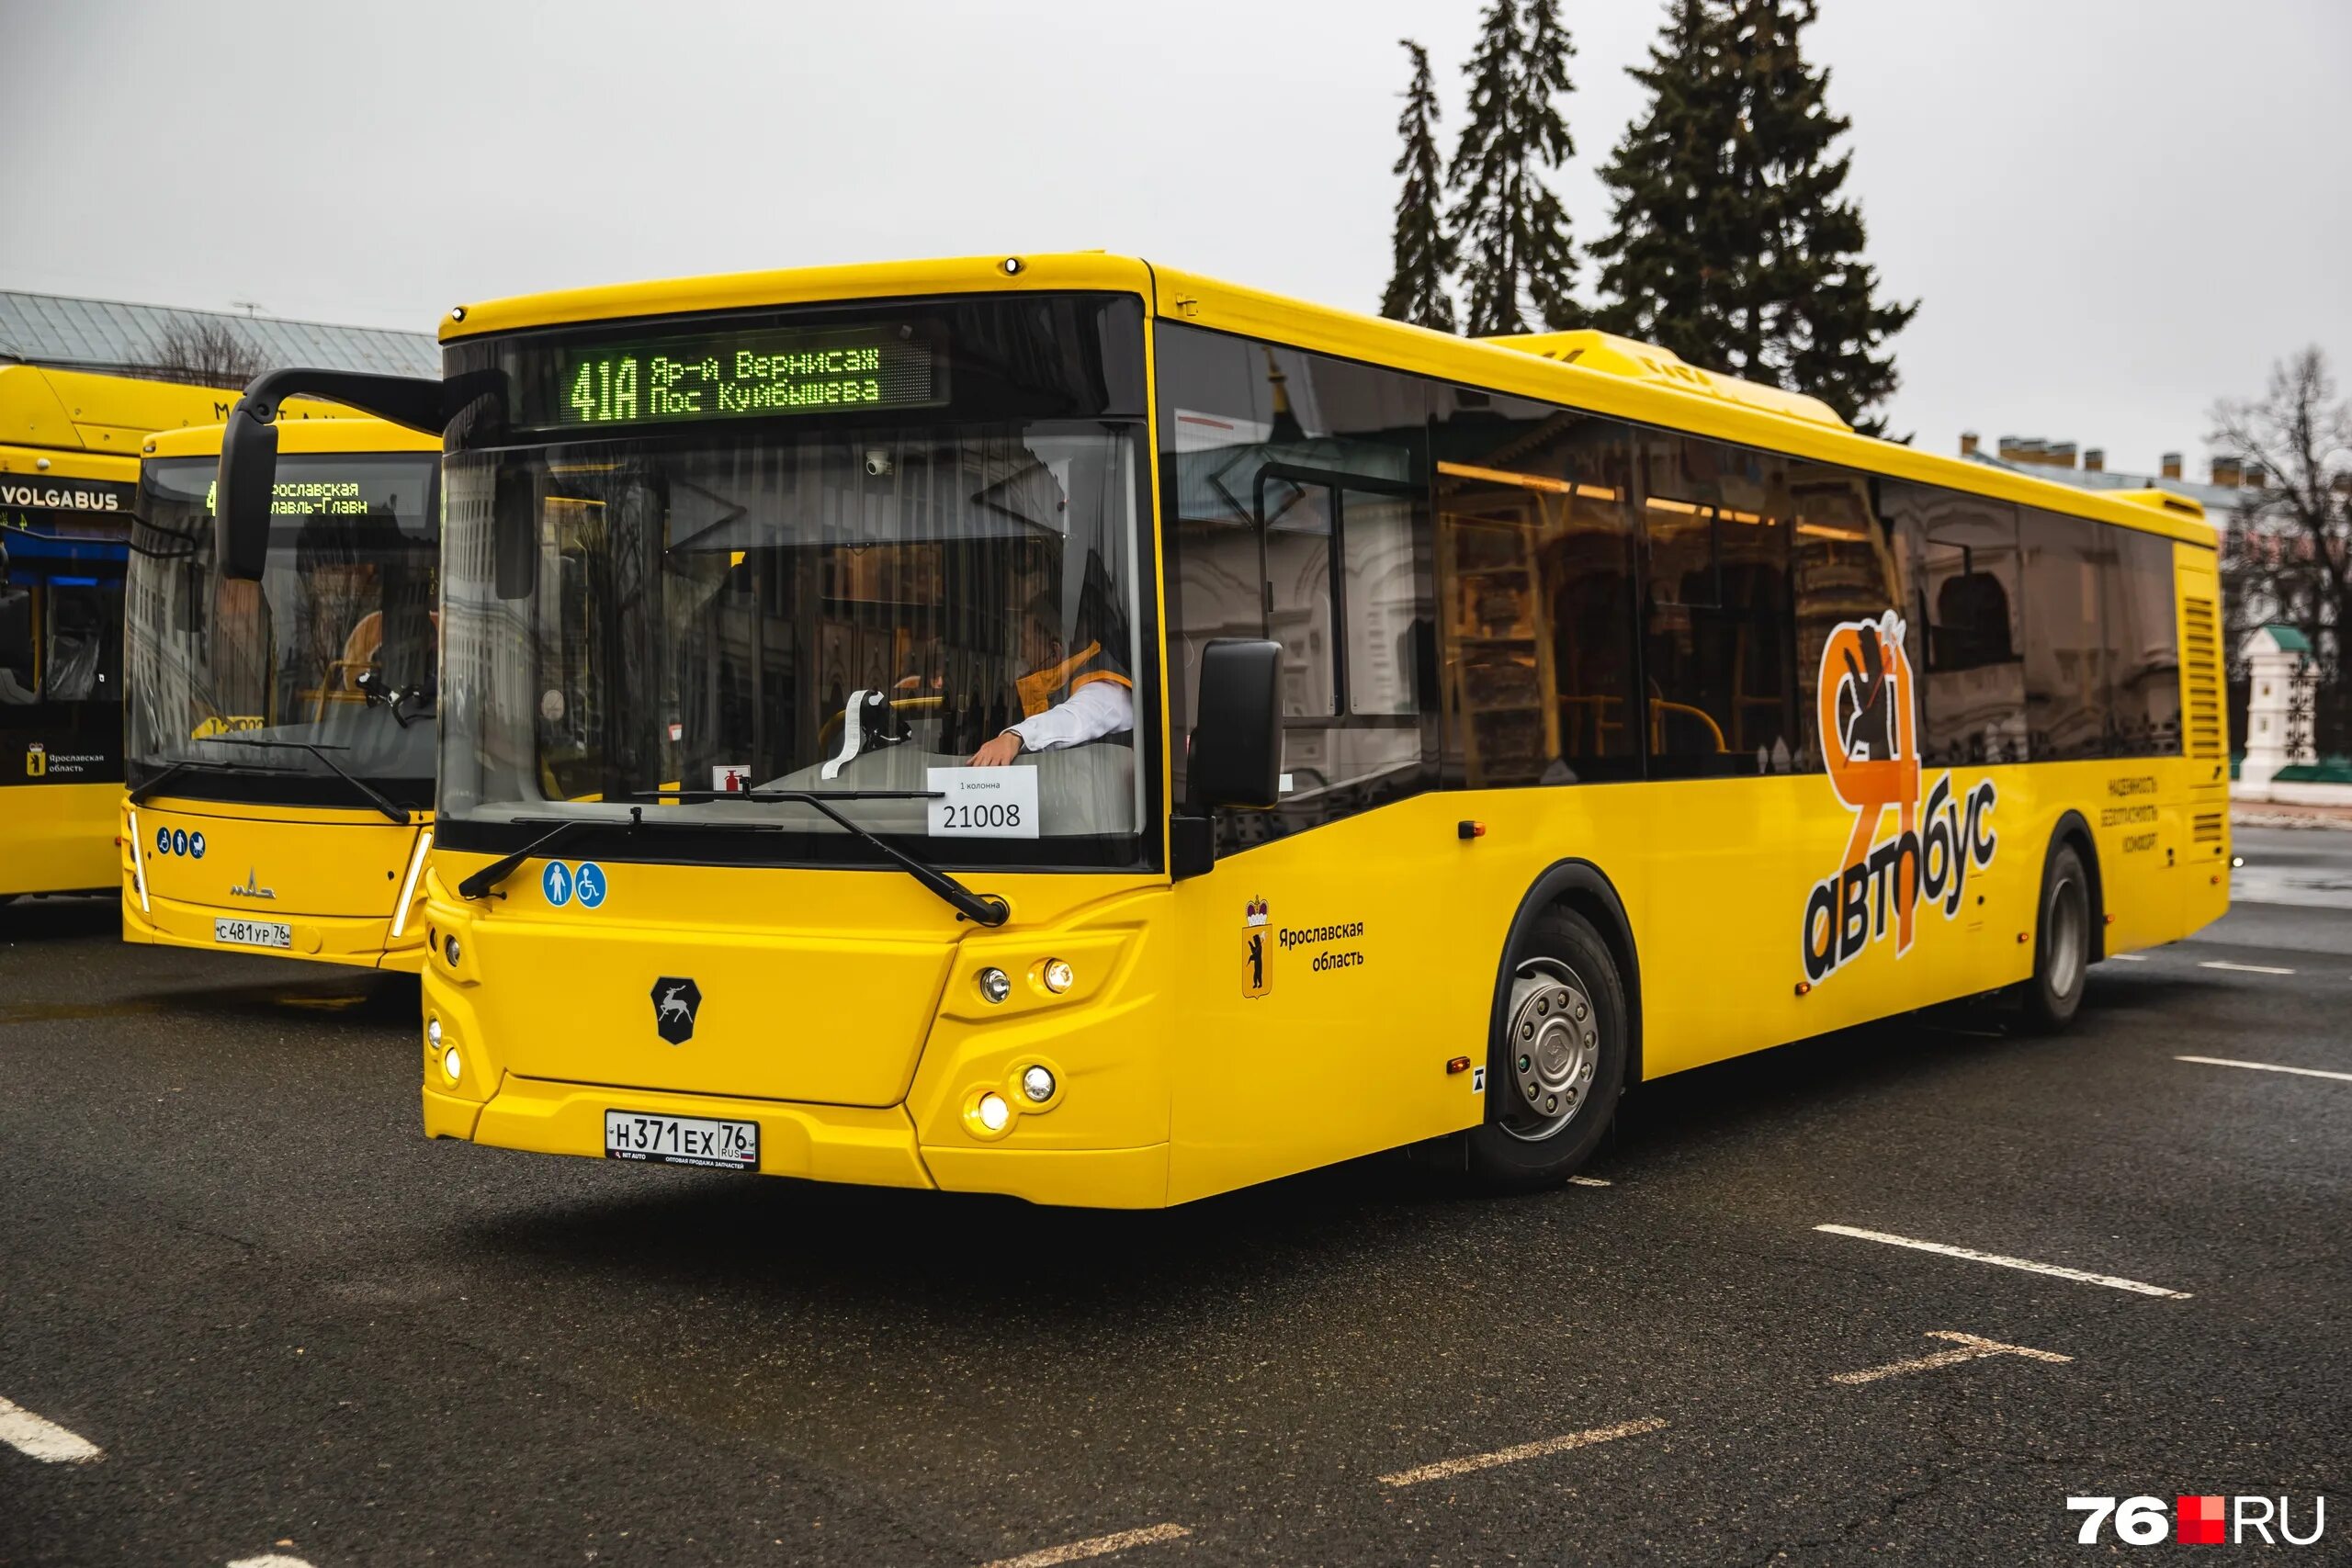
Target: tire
[
  {"x": 2062, "y": 942},
  {"x": 1575, "y": 1059}
]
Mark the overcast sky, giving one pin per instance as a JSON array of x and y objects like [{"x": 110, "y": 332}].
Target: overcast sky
[{"x": 2113, "y": 211}]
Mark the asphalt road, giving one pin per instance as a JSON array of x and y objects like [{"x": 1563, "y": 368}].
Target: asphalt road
[{"x": 297, "y": 1330}]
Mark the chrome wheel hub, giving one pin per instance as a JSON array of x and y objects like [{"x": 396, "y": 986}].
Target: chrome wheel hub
[
  {"x": 2068, "y": 919},
  {"x": 1554, "y": 1049}
]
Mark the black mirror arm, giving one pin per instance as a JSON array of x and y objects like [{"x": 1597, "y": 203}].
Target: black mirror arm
[{"x": 419, "y": 402}]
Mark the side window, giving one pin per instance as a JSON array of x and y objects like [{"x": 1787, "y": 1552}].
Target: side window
[
  {"x": 2066, "y": 674},
  {"x": 1536, "y": 566},
  {"x": 2145, "y": 695},
  {"x": 1717, "y": 635},
  {"x": 1293, "y": 507},
  {"x": 1964, "y": 603},
  {"x": 1845, "y": 573},
  {"x": 16, "y": 680},
  {"x": 84, "y": 656}
]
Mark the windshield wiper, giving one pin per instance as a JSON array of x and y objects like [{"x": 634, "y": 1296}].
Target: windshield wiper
[
  {"x": 375, "y": 797},
  {"x": 172, "y": 770},
  {"x": 566, "y": 829},
  {"x": 980, "y": 908}
]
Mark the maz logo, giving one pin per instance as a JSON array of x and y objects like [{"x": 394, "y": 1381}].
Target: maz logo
[{"x": 253, "y": 889}]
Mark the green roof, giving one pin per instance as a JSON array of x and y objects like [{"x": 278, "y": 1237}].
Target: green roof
[{"x": 2289, "y": 639}]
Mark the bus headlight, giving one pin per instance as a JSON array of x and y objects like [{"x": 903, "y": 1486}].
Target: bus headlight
[
  {"x": 995, "y": 983},
  {"x": 1037, "y": 1083},
  {"x": 1058, "y": 975},
  {"x": 994, "y": 1112},
  {"x": 433, "y": 1033},
  {"x": 450, "y": 1064}
]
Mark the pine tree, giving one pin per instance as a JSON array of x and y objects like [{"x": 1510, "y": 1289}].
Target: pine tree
[
  {"x": 1733, "y": 244},
  {"x": 1514, "y": 233},
  {"x": 1424, "y": 252},
  {"x": 1666, "y": 262},
  {"x": 1813, "y": 306}
]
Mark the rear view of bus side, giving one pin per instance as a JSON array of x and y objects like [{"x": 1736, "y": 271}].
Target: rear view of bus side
[
  {"x": 1059, "y": 726},
  {"x": 280, "y": 754}
]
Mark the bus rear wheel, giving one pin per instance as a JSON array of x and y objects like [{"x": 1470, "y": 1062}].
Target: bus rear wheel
[
  {"x": 1556, "y": 1066},
  {"x": 2061, "y": 947}
]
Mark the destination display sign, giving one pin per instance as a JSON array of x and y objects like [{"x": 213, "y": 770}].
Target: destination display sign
[{"x": 749, "y": 374}]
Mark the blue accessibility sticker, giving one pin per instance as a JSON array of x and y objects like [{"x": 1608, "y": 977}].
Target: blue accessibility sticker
[
  {"x": 163, "y": 841},
  {"x": 195, "y": 845},
  {"x": 588, "y": 881},
  {"x": 179, "y": 840},
  {"x": 557, "y": 884}
]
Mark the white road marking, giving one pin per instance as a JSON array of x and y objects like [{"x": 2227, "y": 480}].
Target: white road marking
[
  {"x": 1587, "y": 1181},
  {"x": 44, "y": 1440},
  {"x": 1079, "y": 1550},
  {"x": 1445, "y": 1468},
  {"x": 2053, "y": 1270},
  {"x": 1970, "y": 1348},
  {"x": 2129, "y": 957},
  {"x": 269, "y": 1560},
  {"x": 2243, "y": 968},
  {"x": 2266, "y": 1067}
]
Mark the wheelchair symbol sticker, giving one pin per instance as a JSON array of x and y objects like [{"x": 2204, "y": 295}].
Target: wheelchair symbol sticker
[{"x": 589, "y": 882}]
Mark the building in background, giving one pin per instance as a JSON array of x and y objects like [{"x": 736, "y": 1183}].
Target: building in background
[{"x": 205, "y": 348}]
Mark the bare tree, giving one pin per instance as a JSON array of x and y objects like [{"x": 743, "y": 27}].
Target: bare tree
[
  {"x": 2287, "y": 557},
  {"x": 203, "y": 351}
]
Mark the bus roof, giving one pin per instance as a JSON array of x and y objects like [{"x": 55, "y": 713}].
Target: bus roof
[
  {"x": 1587, "y": 370},
  {"x": 81, "y": 424},
  {"x": 301, "y": 431}
]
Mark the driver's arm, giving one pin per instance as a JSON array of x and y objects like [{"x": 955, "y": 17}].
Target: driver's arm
[{"x": 1094, "y": 710}]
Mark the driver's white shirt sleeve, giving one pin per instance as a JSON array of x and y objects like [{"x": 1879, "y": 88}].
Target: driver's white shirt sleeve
[{"x": 1094, "y": 710}]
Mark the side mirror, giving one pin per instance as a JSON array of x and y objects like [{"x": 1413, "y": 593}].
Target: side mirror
[
  {"x": 1237, "y": 759},
  {"x": 515, "y": 535},
  {"x": 246, "y": 484}
]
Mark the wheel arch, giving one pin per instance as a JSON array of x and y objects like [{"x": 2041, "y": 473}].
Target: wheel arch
[
  {"x": 2072, "y": 828},
  {"x": 1584, "y": 888}
]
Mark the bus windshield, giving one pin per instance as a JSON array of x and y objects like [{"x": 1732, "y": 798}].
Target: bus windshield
[
  {"x": 269, "y": 689},
  {"x": 688, "y": 619}
]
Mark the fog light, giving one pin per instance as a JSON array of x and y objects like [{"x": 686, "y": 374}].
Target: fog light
[
  {"x": 450, "y": 1064},
  {"x": 432, "y": 1031},
  {"x": 995, "y": 984},
  {"x": 994, "y": 1112},
  {"x": 1037, "y": 1083},
  {"x": 1058, "y": 975},
  {"x": 450, "y": 948}
]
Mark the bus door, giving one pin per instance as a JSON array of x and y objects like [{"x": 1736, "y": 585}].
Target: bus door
[{"x": 1316, "y": 940}]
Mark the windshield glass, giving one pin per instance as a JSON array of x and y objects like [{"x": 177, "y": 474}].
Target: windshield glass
[
  {"x": 794, "y": 609},
  {"x": 334, "y": 649}
]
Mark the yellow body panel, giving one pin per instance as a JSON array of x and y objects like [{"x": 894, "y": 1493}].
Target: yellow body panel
[
  {"x": 335, "y": 877},
  {"x": 57, "y": 839},
  {"x": 840, "y": 1008}
]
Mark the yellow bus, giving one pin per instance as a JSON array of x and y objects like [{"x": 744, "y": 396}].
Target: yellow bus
[
  {"x": 69, "y": 472},
  {"x": 281, "y": 743},
  {"x": 1060, "y": 727}
]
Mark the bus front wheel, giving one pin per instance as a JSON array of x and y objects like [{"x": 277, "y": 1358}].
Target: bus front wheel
[
  {"x": 2062, "y": 946},
  {"x": 1555, "y": 1067}
]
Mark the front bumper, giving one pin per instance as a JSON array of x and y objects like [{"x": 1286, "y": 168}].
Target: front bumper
[
  {"x": 817, "y": 1142},
  {"x": 358, "y": 940}
]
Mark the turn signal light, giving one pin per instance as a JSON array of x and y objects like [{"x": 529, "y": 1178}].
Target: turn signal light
[{"x": 1469, "y": 830}]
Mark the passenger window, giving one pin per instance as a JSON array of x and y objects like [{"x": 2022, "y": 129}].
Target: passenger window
[
  {"x": 1295, "y": 507},
  {"x": 84, "y": 661},
  {"x": 1959, "y": 556},
  {"x": 1536, "y": 549},
  {"x": 2146, "y": 638},
  {"x": 2066, "y": 662},
  {"x": 17, "y": 681},
  {"x": 1717, "y": 632},
  {"x": 1845, "y": 573}
]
